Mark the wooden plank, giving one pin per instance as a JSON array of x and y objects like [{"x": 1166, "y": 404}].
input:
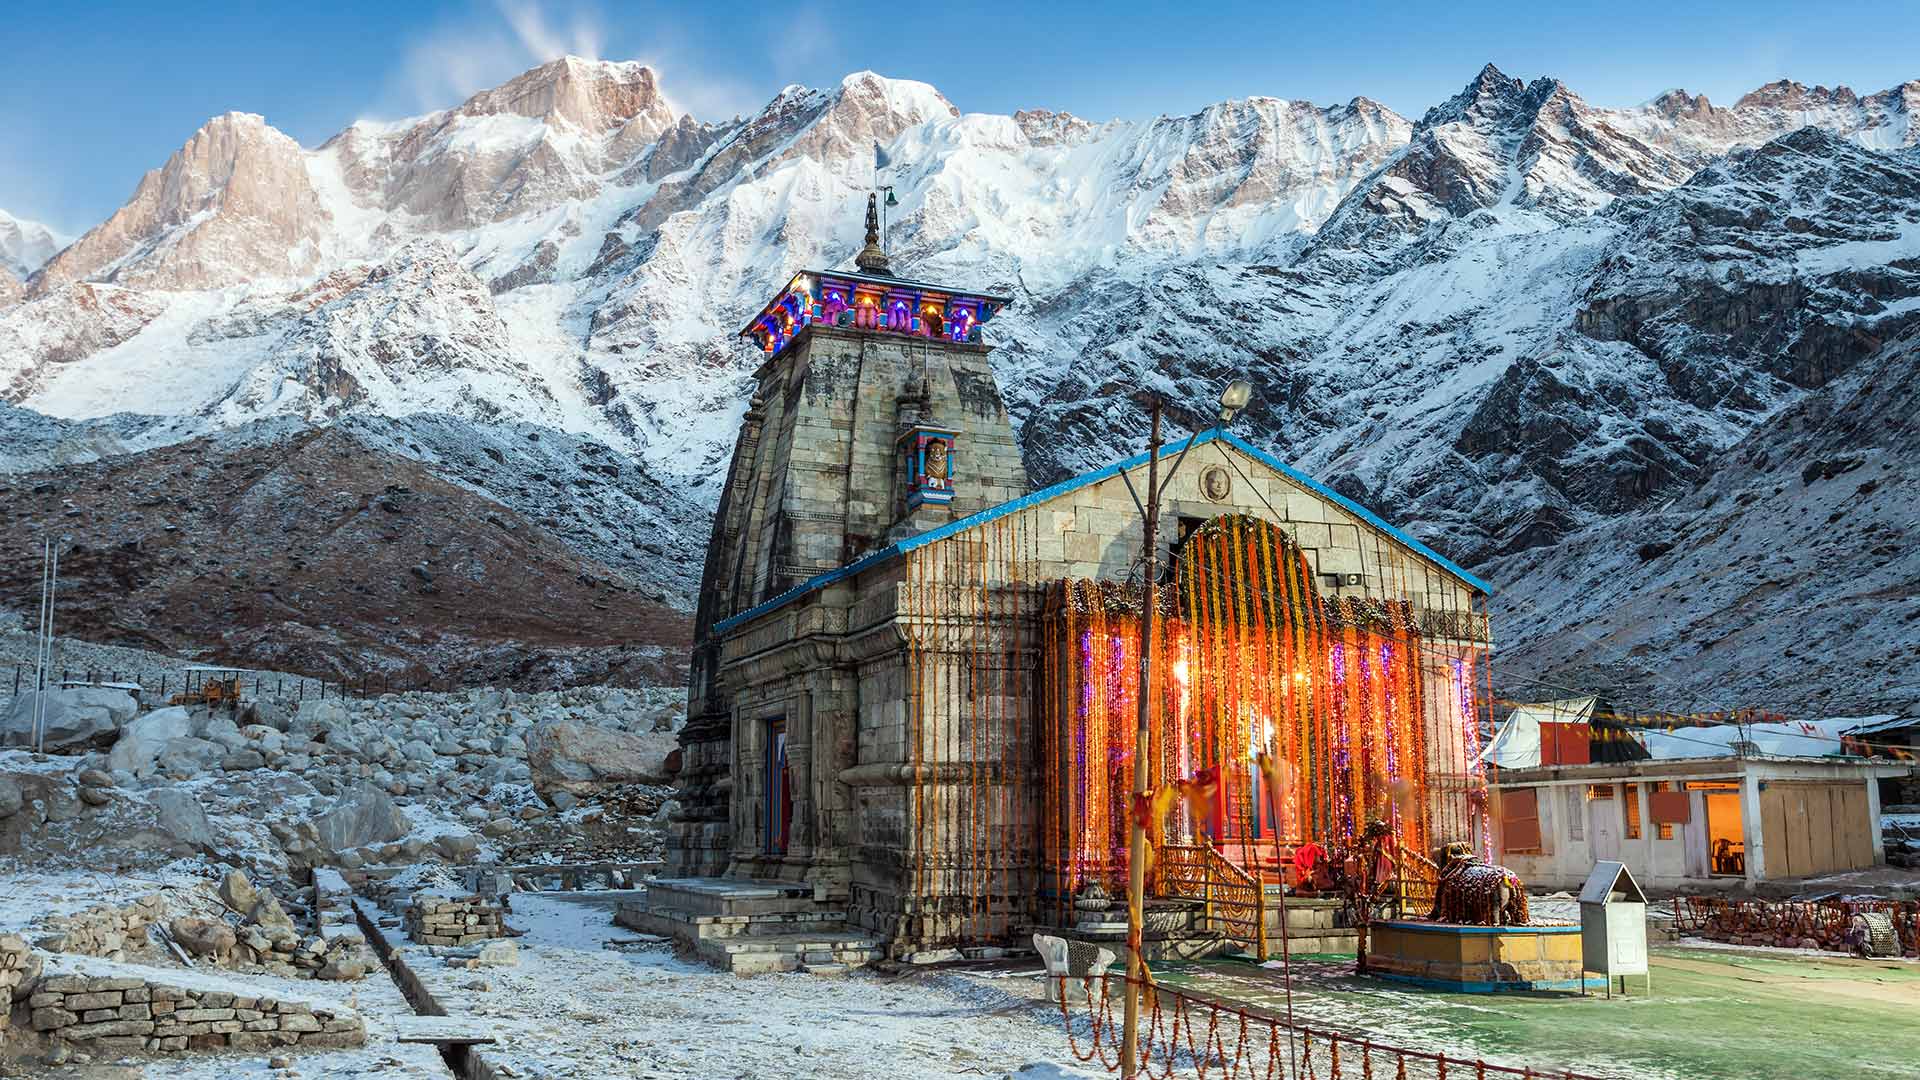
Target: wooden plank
[
  {"x": 1800, "y": 824},
  {"x": 1774, "y": 834},
  {"x": 1821, "y": 831},
  {"x": 1851, "y": 816},
  {"x": 443, "y": 1030}
]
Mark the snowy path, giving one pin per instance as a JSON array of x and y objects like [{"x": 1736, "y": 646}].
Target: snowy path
[{"x": 575, "y": 1007}]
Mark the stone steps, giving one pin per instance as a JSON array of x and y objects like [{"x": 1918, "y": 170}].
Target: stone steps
[{"x": 752, "y": 928}]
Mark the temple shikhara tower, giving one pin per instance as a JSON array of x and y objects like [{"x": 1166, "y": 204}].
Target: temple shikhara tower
[{"x": 914, "y": 680}]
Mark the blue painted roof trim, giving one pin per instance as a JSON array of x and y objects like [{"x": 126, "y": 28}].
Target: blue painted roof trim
[
  {"x": 1013, "y": 506},
  {"x": 1353, "y": 508}
]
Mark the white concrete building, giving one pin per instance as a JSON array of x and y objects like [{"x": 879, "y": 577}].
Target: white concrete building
[{"x": 1693, "y": 822}]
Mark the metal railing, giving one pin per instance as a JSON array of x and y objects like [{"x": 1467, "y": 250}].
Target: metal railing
[{"x": 1232, "y": 900}]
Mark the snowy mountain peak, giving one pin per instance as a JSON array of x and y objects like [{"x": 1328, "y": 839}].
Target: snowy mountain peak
[
  {"x": 1491, "y": 94},
  {"x": 903, "y": 97},
  {"x": 1788, "y": 94},
  {"x": 234, "y": 203},
  {"x": 593, "y": 96},
  {"x": 26, "y": 245}
]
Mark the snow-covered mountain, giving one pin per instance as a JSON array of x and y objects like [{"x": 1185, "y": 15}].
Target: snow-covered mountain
[
  {"x": 1518, "y": 319},
  {"x": 24, "y": 247}
]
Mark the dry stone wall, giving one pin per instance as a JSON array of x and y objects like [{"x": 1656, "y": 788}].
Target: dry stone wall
[
  {"x": 437, "y": 919},
  {"x": 103, "y": 929},
  {"x": 19, "y": 970},
  {"x": 114, "y": 1013}
]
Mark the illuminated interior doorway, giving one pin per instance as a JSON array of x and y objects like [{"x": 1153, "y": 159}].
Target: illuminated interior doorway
[{"x": 1726, "y": 829}]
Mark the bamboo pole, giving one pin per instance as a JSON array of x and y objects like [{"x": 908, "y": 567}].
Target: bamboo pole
[{"x": 1142, "y": 743}]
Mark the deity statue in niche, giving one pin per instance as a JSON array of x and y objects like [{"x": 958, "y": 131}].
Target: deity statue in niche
[{"x": 937, "y": 460}]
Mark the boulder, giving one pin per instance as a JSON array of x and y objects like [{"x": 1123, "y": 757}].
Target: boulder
[
  {"x": 242, "y": 760},
  {"x": 189, "y": 755},
  {"x": 498, "y": 954},
  {"x": 12, "y": 799},
  {"x": 204, "y": 937},
  {"x": 267, "y": 740},
  {"x": 141, "y": 741},
  {"x": 269, "y": 712},
  {"x": 315, "y": 717},
  {"x": 178, "y": 815},
  {"x": 365, "y": 815},
  {"x": 269, "y": 914},
  {"x": 74, "y": 717},
  {"x": 237, "y": 892},
  {"x": 457, "y": 847},
  {"x": 580, "y": 758}
]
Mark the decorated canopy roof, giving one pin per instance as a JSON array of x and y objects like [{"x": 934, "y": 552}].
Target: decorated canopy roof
[{"x": 871, "y": 301}]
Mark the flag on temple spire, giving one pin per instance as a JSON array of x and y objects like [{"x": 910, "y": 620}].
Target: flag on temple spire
[{"x": 881, "y": 159}]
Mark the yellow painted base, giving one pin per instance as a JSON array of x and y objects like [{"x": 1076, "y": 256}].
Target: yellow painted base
[{"x": 1478, "y": 958}]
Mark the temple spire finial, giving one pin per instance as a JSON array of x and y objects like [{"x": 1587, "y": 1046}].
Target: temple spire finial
[{"x": 871, "y": 259}]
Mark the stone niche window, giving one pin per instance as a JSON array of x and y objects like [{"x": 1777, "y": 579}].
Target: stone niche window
[{"x": 927, "y": 460}]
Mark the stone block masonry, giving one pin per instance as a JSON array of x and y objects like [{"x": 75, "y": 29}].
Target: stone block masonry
[
  {"x": 438, "y": 919},
  {"x": 19, "y": 969},
  {"x": 127, "y": 1014}
]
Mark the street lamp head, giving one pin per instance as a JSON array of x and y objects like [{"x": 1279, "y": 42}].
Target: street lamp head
[
  {"x": 1234, "y": 398},
  {"x": 891, "y": 201}
]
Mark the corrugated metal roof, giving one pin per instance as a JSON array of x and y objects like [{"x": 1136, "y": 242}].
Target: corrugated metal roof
[{"x": 1873, "y": 725}]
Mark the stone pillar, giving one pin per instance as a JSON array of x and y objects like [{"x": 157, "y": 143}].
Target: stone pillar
[
  {"x": 1751, "y": 826},
  {"x": 800, "y": 831},
  {"x": 1875, "y": 838},
  {"x": 830, "y": 741}
]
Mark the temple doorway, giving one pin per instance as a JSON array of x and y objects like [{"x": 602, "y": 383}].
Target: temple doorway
[
  {"x": 1278, "y": 715},
  {"x": 779, "y": 788}
]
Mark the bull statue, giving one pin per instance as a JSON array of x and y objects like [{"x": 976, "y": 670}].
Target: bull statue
[{"x": 1474, "y": 893}]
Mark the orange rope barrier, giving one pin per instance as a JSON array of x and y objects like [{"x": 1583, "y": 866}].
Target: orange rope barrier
[{"x": 1176, "y": 1039}]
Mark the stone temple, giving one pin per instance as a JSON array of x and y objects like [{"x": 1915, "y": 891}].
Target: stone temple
[{"x": 914, "y": 678}]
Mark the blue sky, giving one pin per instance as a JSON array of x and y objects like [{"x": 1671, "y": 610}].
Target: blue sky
[{"x": 94, "y": 95}]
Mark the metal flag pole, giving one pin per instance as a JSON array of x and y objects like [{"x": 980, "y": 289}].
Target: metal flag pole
[
  {"x": 40, "y": 643},
  {"x": 43, "y": 645}
]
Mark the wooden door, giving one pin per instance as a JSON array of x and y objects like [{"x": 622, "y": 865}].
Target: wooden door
[{"x": 1603, "y": 822}]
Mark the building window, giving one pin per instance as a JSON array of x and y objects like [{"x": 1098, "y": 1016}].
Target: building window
[
  {"x": 1520, "y": 820},
  {"x": 1630, "y": 808},
  {"x": 1660, "y": 803},
  {"x": 1576, "y": 814},
  {"x": 1599, "y": 791}
]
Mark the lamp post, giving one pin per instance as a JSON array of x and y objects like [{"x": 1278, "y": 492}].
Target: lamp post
[
  {"x": 886, "y": 204},
  {"x": 1232, "y": 400}
]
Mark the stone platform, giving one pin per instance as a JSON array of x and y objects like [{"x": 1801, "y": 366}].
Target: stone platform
[
  {"x": 751, "y": 927},
  {"x": 1479, "y": 959},
  {"x": 1181, "y": 930}
]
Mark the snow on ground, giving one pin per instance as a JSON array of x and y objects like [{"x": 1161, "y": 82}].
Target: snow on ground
[
  {"x": 575, "y": 1007},
  {"x": 29, "y": 896}
]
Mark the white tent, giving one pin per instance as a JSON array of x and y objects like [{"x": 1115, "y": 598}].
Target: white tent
[{"x": 1517, "y": 744}]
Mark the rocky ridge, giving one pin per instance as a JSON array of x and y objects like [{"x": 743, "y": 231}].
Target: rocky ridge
[{"x": 1519, "y": 317}]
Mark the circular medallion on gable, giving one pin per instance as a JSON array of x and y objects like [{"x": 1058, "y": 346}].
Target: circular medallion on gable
[{"x": 1215, "y": 484}]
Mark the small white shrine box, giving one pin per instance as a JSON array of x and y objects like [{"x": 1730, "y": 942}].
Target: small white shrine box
[{"x": 1613, "y": 925}]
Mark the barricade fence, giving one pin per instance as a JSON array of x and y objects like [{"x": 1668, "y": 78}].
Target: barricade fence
[
  {"x": 159, "y": 690},
  {"x": 1185, "y": 1034},
  {"x": 1821, "y": 924}
]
